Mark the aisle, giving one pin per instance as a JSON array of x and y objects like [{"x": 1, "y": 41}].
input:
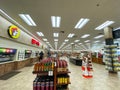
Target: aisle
[
  {"x": 22, "y": 80},
  {"x": 102, "y": 80}
]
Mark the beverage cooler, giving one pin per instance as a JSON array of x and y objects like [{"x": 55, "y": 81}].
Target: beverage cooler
[
  {"x": 7, "y": 54},
  {"x": 28, "y": 53}
]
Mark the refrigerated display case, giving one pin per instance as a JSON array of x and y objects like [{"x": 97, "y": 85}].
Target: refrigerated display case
[
  {"x": 7, "y": 54},
  {"x": 28, "y": 53}
]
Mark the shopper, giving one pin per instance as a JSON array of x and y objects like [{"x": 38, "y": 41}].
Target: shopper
[
  {"x": 49, "y": 54},
  {"x": 41, "y": 55}
]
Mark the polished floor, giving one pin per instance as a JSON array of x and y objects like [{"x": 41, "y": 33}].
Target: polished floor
[{"x": 102, "y": 80}]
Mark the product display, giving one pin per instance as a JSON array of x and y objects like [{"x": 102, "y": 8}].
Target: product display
[
  {"x": 111, "y": 58},
  {"x": 63, "y": 79},
  {"x": 52, "y": 74},
  {"x": 87, "y": 66},
  {"x": 44, "y": 65},
  {"x": 43, "y": 83}
]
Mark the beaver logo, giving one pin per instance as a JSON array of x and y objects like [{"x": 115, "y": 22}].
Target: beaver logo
[{"x": 14, "y": 31}]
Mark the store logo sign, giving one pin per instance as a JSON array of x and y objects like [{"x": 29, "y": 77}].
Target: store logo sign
[
  {"x": 14, "y": 31},
  {"x": 33, "y": 41}
]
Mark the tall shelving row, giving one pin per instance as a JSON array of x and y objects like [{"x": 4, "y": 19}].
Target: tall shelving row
[
  {"x": 51, "y": 75},
  {"x": 111, "y": 58}
]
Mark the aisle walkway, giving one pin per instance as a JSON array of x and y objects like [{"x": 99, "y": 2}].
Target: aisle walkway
[{"x": 102, "y": 80}]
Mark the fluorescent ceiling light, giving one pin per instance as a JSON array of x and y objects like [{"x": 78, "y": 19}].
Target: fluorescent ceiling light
[
  {"x": 76, "y": 40},
  {"x": 72, "y": 43},
  {"x": 116, "y": 29},
  {"x": 56, "y": 34},
  {"x": 55, "y": 40},
  {"x": 40, "y": 33},
  {"x": 64, "y": 43},
  {"x": 44, "y": 39},
  {"x": 56, "y": 45},
  {"x": 79, "y": 43},
  {"x": 96, "y": 41},
  {"x": 105, "y": 24},
  {"x": 27, "y": 19},
  {"x": 87, "y": 41},
  {"x": 71, "y": 35},
  {"x": 81, "y": 23},
  {"x": 55, "y": 21},
  {"x": 103, "y": 42},
  {"x": 99, "y": 36},
  {"x": 85, "y": 36},
  {"x": 66, "y": 40},
  {"x": 47, "y": 42}
]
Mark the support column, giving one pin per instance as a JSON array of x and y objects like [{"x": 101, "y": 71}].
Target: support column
[
  {"x": 108, "y": 36},
  {"x": 109, "y": 55},
  {"x": 73, "y": 47}
]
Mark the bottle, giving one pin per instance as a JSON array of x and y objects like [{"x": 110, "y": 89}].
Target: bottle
[
  {"x": 39, "y": 84},
  {"x": 43, "y": 83},
  {"x": 47, "y": 84},
  {"x": 35, "y": 83},
  {"x": 51, "y": 83}
]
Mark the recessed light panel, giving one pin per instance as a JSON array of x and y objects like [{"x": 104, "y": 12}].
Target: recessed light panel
[
  {"x": 71, "y": 35},
  {"x": 76, "y": 40},
  {"x": 96, "y": 41},
  {"x": 44, "y": 39},
  {"x": 66, "y": 40},
  {"x": 56, "y": 34},
  {"x": 99, "y": 36},
  {"x": 55, "y": 40},
  {"x": 27, "y": 19},
  {"x": 85, "y": 36},
  {"x": 55, "y": 21},
  {"x": 105, "y": 24},
  {"x": 40, "y": 33},
  {"x": 82, "y": 22},
  {"x": 87, "y": 41}
]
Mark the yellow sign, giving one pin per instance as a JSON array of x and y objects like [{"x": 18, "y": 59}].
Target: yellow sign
[{"x": 14, "y": 31}]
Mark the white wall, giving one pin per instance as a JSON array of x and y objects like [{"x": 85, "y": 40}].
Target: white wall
[
  {"x": 6, "y": 43},
  {"x": 21, "y": 44}
]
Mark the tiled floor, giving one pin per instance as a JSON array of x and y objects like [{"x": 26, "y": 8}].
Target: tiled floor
[{"x": 102, "y": 80}]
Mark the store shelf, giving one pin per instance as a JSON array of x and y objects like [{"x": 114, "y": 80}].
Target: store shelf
[
  {"x": 64, "y": 72},
  {"x": 64, "y": 89},
  {"x": 40, "y": 73},
  {"x": 63, "y": 84}
]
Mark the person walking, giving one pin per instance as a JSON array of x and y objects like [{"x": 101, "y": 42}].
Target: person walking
[{"x": 41, "y": 55}]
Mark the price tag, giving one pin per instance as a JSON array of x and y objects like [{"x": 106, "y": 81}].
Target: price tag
[
  {"x": 50, "y": 73},
  {"x": 55, "y": 64}
]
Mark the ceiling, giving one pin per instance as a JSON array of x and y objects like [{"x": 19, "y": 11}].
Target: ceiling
[{"x": 70, "y": 11}]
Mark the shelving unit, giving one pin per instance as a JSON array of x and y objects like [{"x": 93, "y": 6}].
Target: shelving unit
[
  {"x": 111, "y": 58},
  {"x": 55, "y": 75}
]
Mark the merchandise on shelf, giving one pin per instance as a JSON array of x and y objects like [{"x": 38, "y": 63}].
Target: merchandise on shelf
[
  {"x": 44, "y": 65},
  {"x": 62, "y": 65},
  {"x": 43, "y": 83},
  {"x": 111, "y": 58},
  {"x": 63, "y": 79},
  {"x": 59, "y": 79}
]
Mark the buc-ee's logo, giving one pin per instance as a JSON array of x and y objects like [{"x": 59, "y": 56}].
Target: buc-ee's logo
[{"x": 14, "y": 31}]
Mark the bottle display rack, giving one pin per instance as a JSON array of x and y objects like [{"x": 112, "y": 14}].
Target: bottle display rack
[
  {"x": 52, "y": 74},
  {"x": 111, "y": 58}
]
